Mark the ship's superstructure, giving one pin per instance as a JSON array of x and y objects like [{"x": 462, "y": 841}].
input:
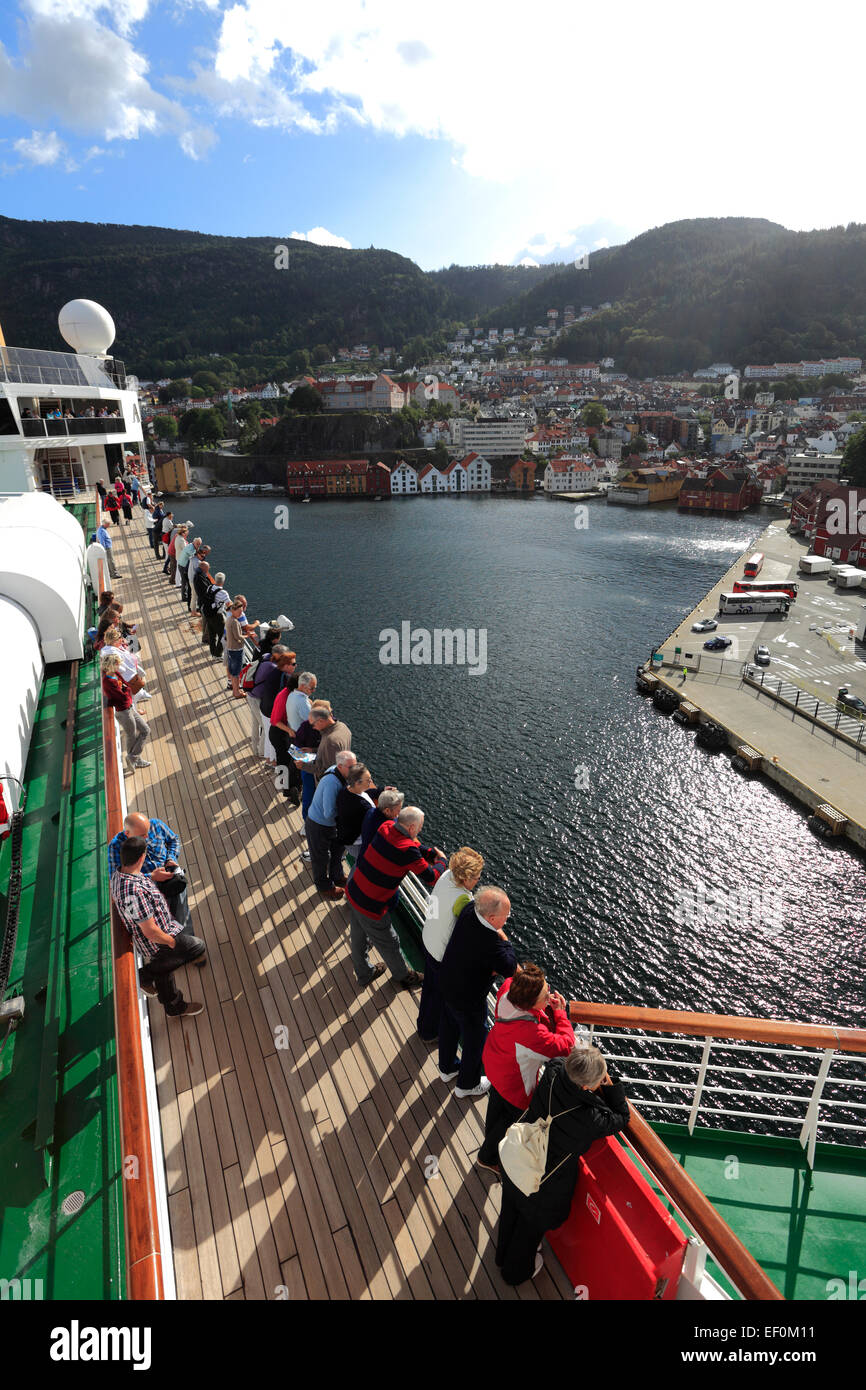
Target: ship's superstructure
[{"x": 67, "y": 418}]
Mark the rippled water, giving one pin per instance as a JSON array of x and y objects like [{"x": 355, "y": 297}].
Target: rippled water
[{"x": 595, "y": 873}]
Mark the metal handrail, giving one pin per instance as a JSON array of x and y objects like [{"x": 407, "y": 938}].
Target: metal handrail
[{"x": 144, "y": 1255}]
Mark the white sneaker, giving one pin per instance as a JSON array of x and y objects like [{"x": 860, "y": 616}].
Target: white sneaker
[
  {"x": 142, "y": 762},
  {"x": 447, "y": 1075},
  {"x": 480, "y": 1090},
  {"x": 144, "y": 695},
  {"x": 305, "y": 855}
]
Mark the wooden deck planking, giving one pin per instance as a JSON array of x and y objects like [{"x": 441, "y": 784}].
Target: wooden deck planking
[{"x": 305, "y": 1167}]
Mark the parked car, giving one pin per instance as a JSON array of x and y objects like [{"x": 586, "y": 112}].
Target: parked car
[
  {"x": 717, "y": 644},
  {"x": 762, "y": 656},
  {"x": 851, "y": 701},
  {"x": 705, "y": 625}
]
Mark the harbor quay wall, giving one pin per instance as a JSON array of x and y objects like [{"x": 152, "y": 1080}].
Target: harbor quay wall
[
  {"x": 771, "y": 766},
  {"x": 717, "y": 708}
]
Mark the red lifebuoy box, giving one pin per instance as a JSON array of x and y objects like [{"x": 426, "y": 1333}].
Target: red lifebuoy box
[{"x": 619, "y": 1242}]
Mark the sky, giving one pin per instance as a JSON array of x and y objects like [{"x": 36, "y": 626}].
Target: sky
[{"x": 462, "y": 132}]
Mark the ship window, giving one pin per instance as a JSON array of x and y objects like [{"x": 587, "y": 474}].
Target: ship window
[{"x": 8, "y": 423}]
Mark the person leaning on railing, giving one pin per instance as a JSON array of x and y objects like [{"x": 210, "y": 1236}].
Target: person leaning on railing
[
  {"x": 586, "y": 1102},
  {"x": 448, "y": 897},
  {"x": 530, "y": 1026},
  {"x": 118, "y": 697}
]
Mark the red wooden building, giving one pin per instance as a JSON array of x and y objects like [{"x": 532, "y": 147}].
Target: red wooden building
[{"x": 723, "y": 490}]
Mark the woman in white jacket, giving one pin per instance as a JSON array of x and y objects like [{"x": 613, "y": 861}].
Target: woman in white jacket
[{"x": 448, "y": 897}]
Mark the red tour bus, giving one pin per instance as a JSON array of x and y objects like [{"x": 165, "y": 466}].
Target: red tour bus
[
  {"x": 767, "y": 586},
  {"x": 753, "y": 565}
]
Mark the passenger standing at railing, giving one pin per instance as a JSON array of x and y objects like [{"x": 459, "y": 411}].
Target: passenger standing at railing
[
  {"x": 478, "y": 950},
  {"x": 104, "y": 539},
  {"x": 530, "y": 1027},
  {"x": 111, "y": 504},
  {"x": 451, "y": 893},
  {"x": 118, "y": 697},
  {"x": 587, "y": 1102}
]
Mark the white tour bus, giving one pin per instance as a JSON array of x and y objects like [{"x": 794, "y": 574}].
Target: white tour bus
[{"x": 754, "y": 603}]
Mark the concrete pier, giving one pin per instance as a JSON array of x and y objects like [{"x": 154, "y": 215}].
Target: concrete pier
[{"x": 812, "y": 646}]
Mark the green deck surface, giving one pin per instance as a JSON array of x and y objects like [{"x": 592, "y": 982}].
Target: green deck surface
[
  {"x": 802, "y": 1229},
  {"x": 59, "y": 1127}
]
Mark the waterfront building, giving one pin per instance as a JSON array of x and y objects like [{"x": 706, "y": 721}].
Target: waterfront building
[
  {"x": 522, "y": 475},
  {"x": 642, "y": 486},
  {"x": 566, "y": 474},
  {"x": 404, "y": 480},
  {"x": 172, "y": 474},
  {"x": 818, "y": 505},
  {"x": 431, "y": 480},
  {"x": 477, "y": 470},
  {"x": 338, "y": 478},
  {"x": 729, "y": 489}
]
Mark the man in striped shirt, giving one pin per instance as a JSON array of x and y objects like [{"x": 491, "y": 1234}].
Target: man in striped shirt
[
  {"x": 393, "y": 852},
  {"x": 160, "y": 861},
  {"x": 161, "y": 943}
]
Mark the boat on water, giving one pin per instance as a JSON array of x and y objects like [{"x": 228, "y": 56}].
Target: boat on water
[{"x": 742, "y": 1174}]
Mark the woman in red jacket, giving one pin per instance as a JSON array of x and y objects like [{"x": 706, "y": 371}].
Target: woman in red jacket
[
  {"x": 531, "y": 1026},
  {"x": 118, "y": 696}
]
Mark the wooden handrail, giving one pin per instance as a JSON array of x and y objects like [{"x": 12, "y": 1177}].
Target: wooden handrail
[
  {"x": 144, "y": 1280},
  {"x": 727, "y": 1249},
  {"x": 756, "y": 1030}
]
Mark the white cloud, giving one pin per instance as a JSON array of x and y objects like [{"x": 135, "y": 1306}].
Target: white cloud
[
  {"x": 43, "y": 147},
  {"x": 527, "y": 260},
  {"x": 80, "y": 74},
  {"x": 322, "y": 237},
  {"x": 463, "y": 75}
]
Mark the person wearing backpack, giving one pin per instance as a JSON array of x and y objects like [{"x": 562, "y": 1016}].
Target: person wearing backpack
[
  {"x": 530, "y": 1027},
  {"x": 582, "y": 1101}
]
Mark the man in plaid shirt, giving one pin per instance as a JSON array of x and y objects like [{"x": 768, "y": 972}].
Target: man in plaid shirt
[
  {"x": 160, "y": 861},
  {"x": 161, "y": 943}
]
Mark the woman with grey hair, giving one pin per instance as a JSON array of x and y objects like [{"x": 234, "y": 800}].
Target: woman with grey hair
[{"x": 587, "y": 1102}]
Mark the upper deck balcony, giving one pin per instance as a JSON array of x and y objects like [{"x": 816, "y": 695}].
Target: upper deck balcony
[{"x": 33, "y": 366}]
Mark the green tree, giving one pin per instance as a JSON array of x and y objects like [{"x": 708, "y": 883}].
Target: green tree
[
  {"x": 306, "y": 400},
  {"x": 165, "y": 427},
  {"x": 639, "y": 444},
  {"x": 439, "y": 455},
  {"x": 593, "y": 413},
  {"x": 208, "y": 381},
  {"x": 854, "y": 458},
  {"x": 204, "y": 426},
  {"x": 298, "y": 362},
  {"x": 321, "y": 353}
]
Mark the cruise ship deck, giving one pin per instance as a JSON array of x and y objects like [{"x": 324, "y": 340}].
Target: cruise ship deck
[{"x": 311, "y": 1149}]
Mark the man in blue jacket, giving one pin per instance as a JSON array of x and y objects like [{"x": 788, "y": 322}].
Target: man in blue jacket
[
  {"x": 326, "y": 851},
  {"x": 478, "y": 950}
]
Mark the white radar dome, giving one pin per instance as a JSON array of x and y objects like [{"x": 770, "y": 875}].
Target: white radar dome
[{"x": 86, "y": 326}]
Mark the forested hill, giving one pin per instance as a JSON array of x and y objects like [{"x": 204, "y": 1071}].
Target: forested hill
[
  {"x": 682, "y": 295},
  {"x": 717, "y": 289}
]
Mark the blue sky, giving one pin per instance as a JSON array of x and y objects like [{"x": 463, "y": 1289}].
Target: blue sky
[{"x": 457, "y": 133}]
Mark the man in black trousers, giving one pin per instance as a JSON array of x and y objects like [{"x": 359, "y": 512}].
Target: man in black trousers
[{"x": 477, "y": 951}]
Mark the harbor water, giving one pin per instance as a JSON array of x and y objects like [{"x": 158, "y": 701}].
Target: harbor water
[{"x": 641, "y": 869}]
